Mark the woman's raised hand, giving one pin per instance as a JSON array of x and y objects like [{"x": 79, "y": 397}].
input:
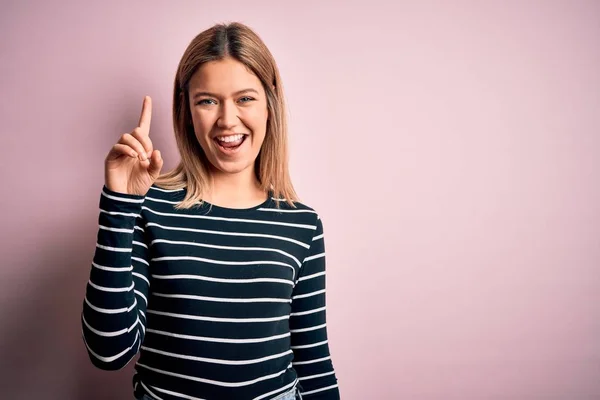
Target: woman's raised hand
[{"x": 132, "y": 165}]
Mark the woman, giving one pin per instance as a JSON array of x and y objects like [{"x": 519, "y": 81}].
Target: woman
[{"x": 213, "y": 272}]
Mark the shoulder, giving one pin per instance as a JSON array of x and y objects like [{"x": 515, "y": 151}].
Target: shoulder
[
  {"x": 297, "y": 208},
  {"x": 160, "y": 191},
  {"x": 300, "y": 212},
  {"x": 164, "y": 195},
  {"x": 160, "y": 200}
]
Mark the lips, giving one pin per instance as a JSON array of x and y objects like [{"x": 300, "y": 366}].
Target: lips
[
  {"x": 230, "y": 143},
  {"x": 230, "y": 140}
]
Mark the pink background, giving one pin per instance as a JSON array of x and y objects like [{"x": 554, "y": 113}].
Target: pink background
[{"x": 452, "y": 149}]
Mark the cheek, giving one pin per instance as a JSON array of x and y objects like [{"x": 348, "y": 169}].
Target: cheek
[
  {"x": 257, "y": 119},
  {"x": 202, "y": 124}
]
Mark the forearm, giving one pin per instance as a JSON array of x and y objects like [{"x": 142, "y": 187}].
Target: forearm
[{"x": 113, "y": 316}]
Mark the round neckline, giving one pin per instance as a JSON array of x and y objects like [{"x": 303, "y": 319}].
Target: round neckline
[
  {"x": 206, "y": 205},
  {"x": 236, "y": 210}
]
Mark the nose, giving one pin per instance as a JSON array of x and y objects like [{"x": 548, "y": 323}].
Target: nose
[{"x": 228, "y": 117}]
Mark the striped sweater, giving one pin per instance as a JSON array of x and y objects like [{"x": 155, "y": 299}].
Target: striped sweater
[{"x": 220, "y": 303}]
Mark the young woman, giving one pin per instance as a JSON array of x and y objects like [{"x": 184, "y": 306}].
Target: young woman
[{"x": 213, "y": 272}]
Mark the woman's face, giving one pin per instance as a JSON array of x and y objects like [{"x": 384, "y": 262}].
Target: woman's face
[{"x": 229, "y": 112}]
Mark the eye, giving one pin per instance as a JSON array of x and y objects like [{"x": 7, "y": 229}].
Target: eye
[
  {"x": 204, "y": 101},
  {"x": 246, "y": 99}
]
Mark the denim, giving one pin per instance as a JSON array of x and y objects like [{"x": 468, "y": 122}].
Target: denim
[{"x": 289, "y": 395}]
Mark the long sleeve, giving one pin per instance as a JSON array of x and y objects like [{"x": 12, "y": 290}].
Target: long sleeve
[
  {"x": 113, "y": 317},
  {"x": 312, "y": 359}
]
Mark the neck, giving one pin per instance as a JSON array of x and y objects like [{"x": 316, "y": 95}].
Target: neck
[{"x": 240, "y": 190}]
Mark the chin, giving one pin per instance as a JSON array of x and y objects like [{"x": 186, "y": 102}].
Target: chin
[{"x": 232, "y": 168}]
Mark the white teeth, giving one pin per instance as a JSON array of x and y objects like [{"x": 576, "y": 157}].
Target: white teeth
[{"x": 232, "y": 138}]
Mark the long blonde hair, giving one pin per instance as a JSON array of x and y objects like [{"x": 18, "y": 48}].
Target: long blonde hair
[{"x": 239, "y": 42}]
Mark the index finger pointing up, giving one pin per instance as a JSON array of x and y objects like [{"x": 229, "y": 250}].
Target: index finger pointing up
[{"x": 146, "y": 115}]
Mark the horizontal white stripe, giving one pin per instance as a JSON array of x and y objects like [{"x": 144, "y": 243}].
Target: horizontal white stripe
[
  {"x": 119, "y": 213},
  {"x": 317, "y": 360},
  {"x": 110, "y": 334},
  {"x": 141, "y": 277},
  {"x": 154, "y": 395},
  {"x": 279, "y": 390},
  {"x": 109, "y": 289},
  {"x": 119, "y": 230},
  {"x": 119, "y": 198},
  {"x": 140, "y": 244},
  {"x": 218, "y": 340},
  {"x": 140, "y": 260},
  {"x": 318, "y": 237},
  {"x": 222, "y": 299},
  {"x": 112, "y": 269},
  {"x": 224, "y": 280},
  {"x": 308, "y": 346},
  {"x": 139, "y": 228},
  {"x": 316, "y": 310},
  {"x": 305, "y": 378},
  {"x": 117, "y": 249},
  {"x": 320, "y": 255},
  {"x": 311, "y": 328},
  {"x": 142, "y": 296},
  {"x": 319, "y": 390},
  {"x": 242, "y": 234},
  {"x": 217, "y": 319},
  {"x": 165, "y": 190},
  {"x": 214, "y": 246},
  {"x": 163, "y": 201},
  {"x": 216, "y": 360},
  {"x": 220, "y": 262},
  {"x": 141, "y": 312},
  {"x": 302, "y": 296},
  {"x": 170, "y": 392},
  {"x": 111, "y": 310},
  {"x": 307, "y": 277},
  {"x": 116, "y": 356},
  {"x": 240, "y": 220},
  {"x": 287, "y": 211},
  {"x": 213, "y": 382}
]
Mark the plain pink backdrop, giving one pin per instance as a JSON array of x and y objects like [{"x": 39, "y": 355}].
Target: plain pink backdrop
[{"x": 452, "y": 149}]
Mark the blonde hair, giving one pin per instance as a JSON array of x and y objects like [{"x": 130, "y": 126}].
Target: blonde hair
[{"x": 239, "y": 42}]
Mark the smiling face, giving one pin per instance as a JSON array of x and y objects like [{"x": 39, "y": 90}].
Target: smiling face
[{"x": 229, "y": 113}]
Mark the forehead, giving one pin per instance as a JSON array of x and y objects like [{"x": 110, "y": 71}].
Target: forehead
[{"x": 224, "y": 77}]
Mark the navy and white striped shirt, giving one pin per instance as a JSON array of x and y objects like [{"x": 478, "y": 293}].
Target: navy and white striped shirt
[{"x": 220, "y": 303}]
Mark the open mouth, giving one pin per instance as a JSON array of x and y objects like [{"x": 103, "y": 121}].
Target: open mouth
[{"x": 231, "y": 142}]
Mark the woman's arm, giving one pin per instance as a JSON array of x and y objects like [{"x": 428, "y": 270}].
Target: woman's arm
[
  {"x": 114, "y": 309},
  {"x": 312, "y": 359}
]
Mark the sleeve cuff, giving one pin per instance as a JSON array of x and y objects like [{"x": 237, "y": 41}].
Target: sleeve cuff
[
  {"x": 121, "y": 202},
  {"x": 122, "y": 195}
]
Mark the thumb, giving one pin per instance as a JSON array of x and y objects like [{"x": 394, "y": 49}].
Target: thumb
[{"x": 156, "y": 163}]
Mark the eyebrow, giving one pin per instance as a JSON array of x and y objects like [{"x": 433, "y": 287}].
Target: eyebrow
[{"x": 198, "y": 94}]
